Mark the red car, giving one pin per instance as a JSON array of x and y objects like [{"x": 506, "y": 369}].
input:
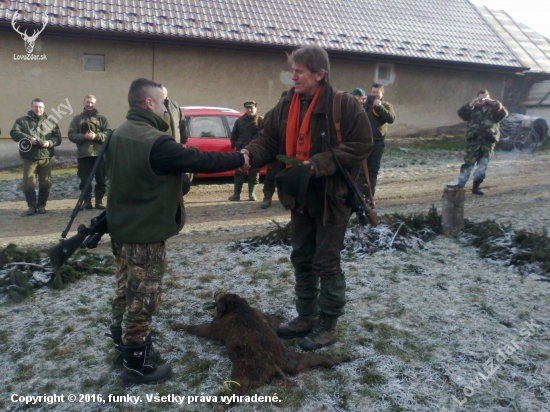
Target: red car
[{"x": 209, "y": 129}]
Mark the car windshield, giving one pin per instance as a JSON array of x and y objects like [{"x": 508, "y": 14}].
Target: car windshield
[
  {"x": 231, "y": 120},
  {"x": 206, "y": 126}
]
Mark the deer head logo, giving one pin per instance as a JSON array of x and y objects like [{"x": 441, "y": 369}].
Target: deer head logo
[{"x": 29, "y": 40}]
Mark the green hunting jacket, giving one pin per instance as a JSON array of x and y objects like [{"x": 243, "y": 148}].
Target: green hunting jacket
[
  {"x": 483, "y": 124},
  {"x": 77, "y": 129},
  {"x": 143, "y": 207},
  {"x": 245, "y": 129},
  {"x": 40, "y": 128},
  {"x": 327, "y": 190},
  {"x": 176, "y": 121},
  {"x": 379, "y": 118}
]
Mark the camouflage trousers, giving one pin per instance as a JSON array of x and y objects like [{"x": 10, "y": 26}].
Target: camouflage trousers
[
  {"x": 138, "y": 291},
  {"x": 480, "y": 152}
]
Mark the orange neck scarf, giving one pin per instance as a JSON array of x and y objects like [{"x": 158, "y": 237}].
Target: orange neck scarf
[{"x": 298, "y": 137}]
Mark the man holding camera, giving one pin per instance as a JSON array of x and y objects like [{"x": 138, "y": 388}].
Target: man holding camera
[
  {"x": 37, "y": 136},
  {"x": 483, "y": 115},
  {"x": 380, "y": 113}
]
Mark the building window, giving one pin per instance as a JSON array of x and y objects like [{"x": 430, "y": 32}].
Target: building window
[
  {"x": 384, "y": 73},
  {"x": 94, "y": 62}
]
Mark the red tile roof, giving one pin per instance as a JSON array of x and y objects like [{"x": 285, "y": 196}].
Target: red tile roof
[{"x": 441, "y": 30}]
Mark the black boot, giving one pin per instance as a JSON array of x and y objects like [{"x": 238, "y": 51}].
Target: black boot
[
  {"x": 476, "y": 190},
  {"x": 116, "y": 336},
  {"x": 43, "y": 196},
  {"x": 267, "y": 201},
  {"x": 299, "y": 326},
  {"x": 323, "y": 334},
  {"x": 87, "y": 203},
  {"x": 99, "y": 203},
  {"x": 30, "y": 197},
  {"x": 139, "y": 366},
  {"x": 238, "y": 186}
]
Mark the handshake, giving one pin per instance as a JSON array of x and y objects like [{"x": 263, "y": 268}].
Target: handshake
[{"x": 246, "y": 167}]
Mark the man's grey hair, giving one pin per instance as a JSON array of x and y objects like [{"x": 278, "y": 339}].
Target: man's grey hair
[
  {"x": 140, "y": 90},
  {"x": 315, "y": 58}
]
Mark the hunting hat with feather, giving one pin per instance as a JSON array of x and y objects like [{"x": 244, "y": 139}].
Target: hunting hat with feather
[{"x": 88, "y": 127}]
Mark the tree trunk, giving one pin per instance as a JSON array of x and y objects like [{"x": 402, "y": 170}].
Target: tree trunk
[{"x": 452, "y": 214}]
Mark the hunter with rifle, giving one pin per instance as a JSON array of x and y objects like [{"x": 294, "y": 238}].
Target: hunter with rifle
[
  {"x": 320, "y": 210},
  {"x": 144, "y": 208}
]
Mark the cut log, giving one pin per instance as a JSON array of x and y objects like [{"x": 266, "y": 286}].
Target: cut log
[{"x": 452, "y": 214}]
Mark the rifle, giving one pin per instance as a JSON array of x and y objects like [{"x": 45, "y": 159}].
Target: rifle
[
  {"x": 367, "y": 185},
  {"x": 364, "y": 212},
  {"x": 87, "y": 237}
]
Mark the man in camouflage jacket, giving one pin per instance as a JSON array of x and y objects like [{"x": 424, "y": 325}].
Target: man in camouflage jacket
[
  {"x": 483, "y": 115},
  {"x": 37, "y": 136},
  {"x": 244, "y": 130},
  {"x": 88, "y": 131},
  {"x": 318, "y": 226}
]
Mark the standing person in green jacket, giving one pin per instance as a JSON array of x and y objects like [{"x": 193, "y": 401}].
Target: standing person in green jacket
[
  {"x": 483, "y": 115},
  {"x": 380, "y": 114},
  {"x": 246, "y": 128},
  {"x": 37, "y": 137},
  {"x": 145, "y": 166},
  {"x": 175, "y": 119},
  {"x": 88, "y": 131}
]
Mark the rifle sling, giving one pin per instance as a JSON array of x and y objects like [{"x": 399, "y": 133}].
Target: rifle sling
[{"x": 337, "y": 117}]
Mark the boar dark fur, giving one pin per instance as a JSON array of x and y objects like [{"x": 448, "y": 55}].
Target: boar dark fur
[{"x": 255, "y": 350}]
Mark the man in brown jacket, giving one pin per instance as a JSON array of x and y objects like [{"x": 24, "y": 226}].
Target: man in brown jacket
[{"x": 295, "y": 128}]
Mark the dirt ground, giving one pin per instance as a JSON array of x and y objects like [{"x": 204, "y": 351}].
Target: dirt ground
[{"x": 517, "y": 189}]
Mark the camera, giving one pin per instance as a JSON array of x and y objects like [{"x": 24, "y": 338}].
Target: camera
[
  {"x": 482, "y": 99},
  {"x": 371, "y": 98}
]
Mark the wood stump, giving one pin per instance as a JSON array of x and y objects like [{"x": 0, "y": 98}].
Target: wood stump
[{"x": 452, "y": 214}]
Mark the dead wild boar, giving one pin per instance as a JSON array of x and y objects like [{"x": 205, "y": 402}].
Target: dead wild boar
[{"x": 255, "y": 350}]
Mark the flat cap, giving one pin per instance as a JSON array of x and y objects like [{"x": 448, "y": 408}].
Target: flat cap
[{"x": 250, "y": 103}]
